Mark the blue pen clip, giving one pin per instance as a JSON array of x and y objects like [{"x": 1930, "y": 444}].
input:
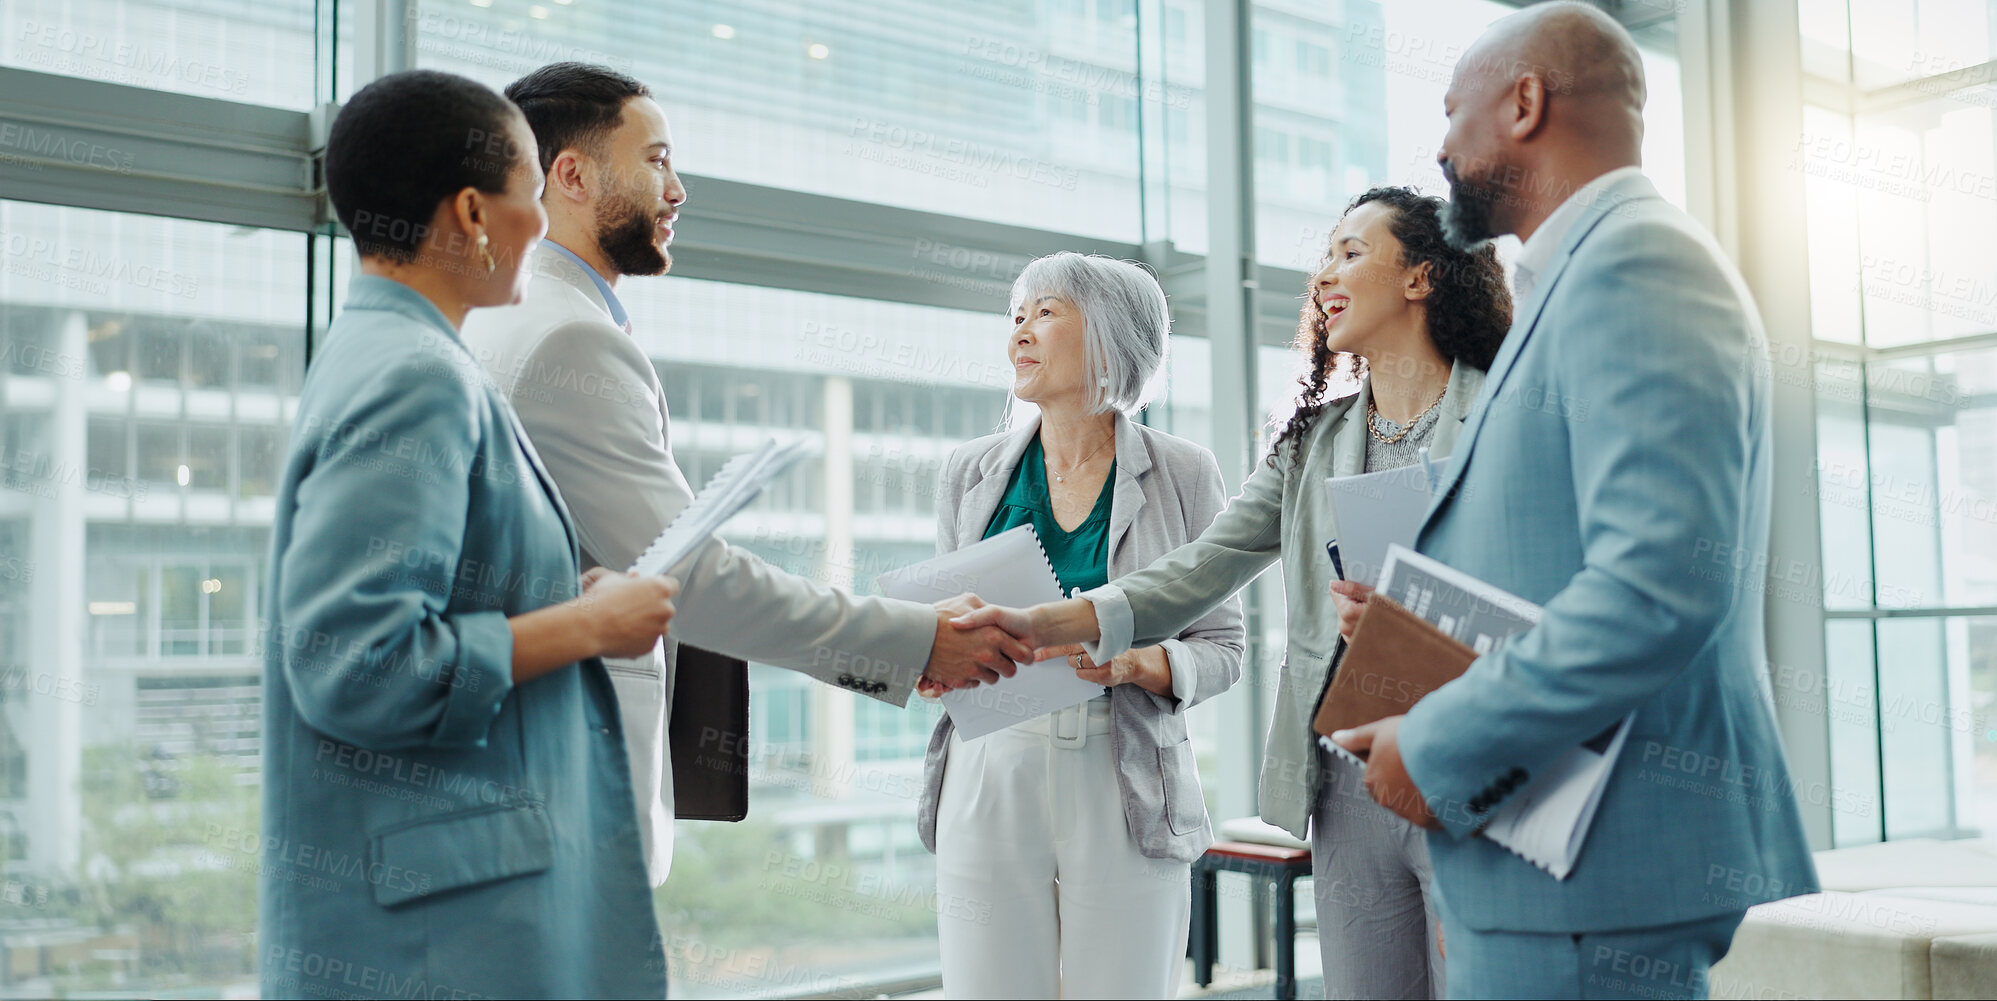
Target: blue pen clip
[{"x": 1337, "y": 565}]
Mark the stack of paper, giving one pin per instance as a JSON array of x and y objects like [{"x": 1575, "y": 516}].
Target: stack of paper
[
  {"x": 1547, "y": 821},
  {"x": 727, "y": 492},
  {"x": 1008, "y": 569}
]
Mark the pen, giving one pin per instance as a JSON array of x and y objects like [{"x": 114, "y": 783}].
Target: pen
[
  {"x": 1337, "y": 565},
  {"x": 1427, "y": 471}
]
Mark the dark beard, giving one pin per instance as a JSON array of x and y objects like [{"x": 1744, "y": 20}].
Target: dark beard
[
  {"x": 1466, "y": 220},
  {"x": 625, "y": 233}
]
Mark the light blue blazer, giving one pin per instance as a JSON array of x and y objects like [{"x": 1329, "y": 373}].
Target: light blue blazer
[
  {"x": 1612, "y": 469},
  {"x": 430, "y": 829}
]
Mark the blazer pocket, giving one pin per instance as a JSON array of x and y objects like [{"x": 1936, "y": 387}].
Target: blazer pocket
[
  {"x": 1185, "y": 808},
  {"x": 459, "y": 850}
]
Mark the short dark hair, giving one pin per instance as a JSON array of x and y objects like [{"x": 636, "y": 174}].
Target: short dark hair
[
  {"x": 404, "y": 144},
  {"x": 1469, "y": 305},
  {"x": 573, "y": 105}
]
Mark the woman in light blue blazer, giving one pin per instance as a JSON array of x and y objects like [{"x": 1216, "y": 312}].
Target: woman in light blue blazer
[
  {"x": 1426, "y": 320},
  {"x": 1064, "y": 844},
  {"x": 447, "y": 807}
]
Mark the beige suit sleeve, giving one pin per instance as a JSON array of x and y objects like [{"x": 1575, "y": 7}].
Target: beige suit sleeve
[{"x": 594, "y": 408}]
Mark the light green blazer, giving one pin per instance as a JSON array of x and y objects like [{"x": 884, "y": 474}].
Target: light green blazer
[{"x": 1283, "y": 512}]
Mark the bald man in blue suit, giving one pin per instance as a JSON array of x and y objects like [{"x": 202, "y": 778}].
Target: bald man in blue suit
[{"x": 1614, "y": 463}]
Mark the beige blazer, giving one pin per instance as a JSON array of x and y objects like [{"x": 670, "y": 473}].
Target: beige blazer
[
  {"x": 592, "y": 405},
  {"x": 1283, "y": 512},
  {"x": 1167, "y": 490}
]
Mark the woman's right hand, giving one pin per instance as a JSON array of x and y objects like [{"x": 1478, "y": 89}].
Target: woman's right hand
[
  {"x": 1350, "y": 596},
  {"x": 627, "y": 613}
]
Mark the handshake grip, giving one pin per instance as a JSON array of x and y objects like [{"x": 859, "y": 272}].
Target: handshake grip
[{"x": 976, "y": 644}]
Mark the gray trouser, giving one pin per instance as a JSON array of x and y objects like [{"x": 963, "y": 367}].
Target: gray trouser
[{"x": 1369, "y": 868}]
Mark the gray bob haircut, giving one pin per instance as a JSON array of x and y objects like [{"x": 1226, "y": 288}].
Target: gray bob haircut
[{"x": 1124, "y": 321}]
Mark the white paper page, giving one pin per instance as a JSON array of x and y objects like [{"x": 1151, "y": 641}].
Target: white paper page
[
  {"x": 727, "y": 493},
  {"x": 1331, "y": 745},
  {"x": 1007, "y": 569},
  {"x": 1375, "y": 510},
  {"x": 1547, "y": 822}
]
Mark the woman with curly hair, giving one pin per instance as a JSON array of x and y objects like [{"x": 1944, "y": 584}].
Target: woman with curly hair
[{"x": 1414, "y": 324}]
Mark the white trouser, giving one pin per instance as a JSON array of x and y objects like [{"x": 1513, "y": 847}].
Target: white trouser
[{"x": 1043, "y": 893}]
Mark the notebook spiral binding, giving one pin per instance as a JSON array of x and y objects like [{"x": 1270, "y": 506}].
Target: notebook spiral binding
[{"x": 1041, "y": 548}]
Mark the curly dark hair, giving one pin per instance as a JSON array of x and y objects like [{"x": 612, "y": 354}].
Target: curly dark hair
[{"x": 1469, "y": 306}]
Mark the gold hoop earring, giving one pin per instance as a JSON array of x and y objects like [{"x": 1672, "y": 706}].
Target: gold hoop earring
[{"x": 485, "y": 248}]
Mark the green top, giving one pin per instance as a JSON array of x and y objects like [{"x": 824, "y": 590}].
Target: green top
[{"x": 1080, "y": 557}]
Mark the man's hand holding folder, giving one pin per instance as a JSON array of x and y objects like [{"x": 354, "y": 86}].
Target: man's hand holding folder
[{"x": 1394, "y": 658}]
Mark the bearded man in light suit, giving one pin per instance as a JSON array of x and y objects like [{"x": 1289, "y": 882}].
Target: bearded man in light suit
[
  {"x": 592, "y": 405},
  {"x": 1620, "y": 439}
]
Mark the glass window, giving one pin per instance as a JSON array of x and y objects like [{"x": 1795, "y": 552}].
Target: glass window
[
  {"x": 155, "y": 708},
  {"x": 1368, "y": 80},
  {"x": 1901, "y": 301},
  {"x": 1894, "y": 41},
  {"x": 889, "y": 389},
  {"x": 863, "y": 99},
  {"x": 259, "y": 53}
]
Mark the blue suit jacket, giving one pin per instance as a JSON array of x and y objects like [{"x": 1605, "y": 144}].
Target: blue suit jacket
[
  {"x": 1614, "y": 469},
  {"x": 429, "y": 828}
]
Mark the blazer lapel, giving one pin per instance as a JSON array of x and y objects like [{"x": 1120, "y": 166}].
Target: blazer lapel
[
  {"x": 980, "y": 502},
  {"x": 1464, "y": 383},
  {"x": 1523, "y": 325},
  {"x": 1348, "y": 445},
  {"x": 1133, "y": 460}
]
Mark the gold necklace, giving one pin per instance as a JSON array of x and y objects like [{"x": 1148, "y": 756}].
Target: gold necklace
[
  {"x": 1062, "y": 477},
  {"x": 1373, "y": 413}
]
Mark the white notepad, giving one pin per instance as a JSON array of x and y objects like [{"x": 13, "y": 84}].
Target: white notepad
[
  {"x": 727, "y": 492},
  {"x": 1007, "y": 569},
  {"x": 1376, "y": 510}
]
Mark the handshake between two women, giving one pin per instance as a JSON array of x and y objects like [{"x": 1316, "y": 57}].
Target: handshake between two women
[{"x": 1037, "y": 633}]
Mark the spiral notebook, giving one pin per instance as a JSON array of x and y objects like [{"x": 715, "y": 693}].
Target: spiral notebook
[
  {"x": 1008, "y": 569},
  {"x": 727, "y": 492}
]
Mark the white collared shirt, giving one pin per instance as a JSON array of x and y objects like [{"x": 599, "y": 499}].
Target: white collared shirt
[{"x": 1536, "y": 253}]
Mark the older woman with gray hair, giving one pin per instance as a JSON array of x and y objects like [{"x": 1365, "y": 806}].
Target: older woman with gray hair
[{"x": 1101, "y": 800}]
